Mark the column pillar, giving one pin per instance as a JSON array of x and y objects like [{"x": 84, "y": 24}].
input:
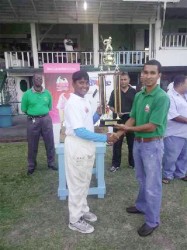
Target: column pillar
[
  {"x": 34, "y": 45},
  {"x": 96, "y": 44},
  {"x": 158, "y": 32},
  {"x": 158, "y": 36},
  {"x": 38, "y": 37},
  {"x": 150, "y": 40}
]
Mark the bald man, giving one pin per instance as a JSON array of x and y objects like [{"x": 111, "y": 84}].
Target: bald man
[{"x": 36, "y": 103}]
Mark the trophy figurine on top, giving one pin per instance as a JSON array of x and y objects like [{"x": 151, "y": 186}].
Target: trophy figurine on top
[{"x": 108, "y": 60}]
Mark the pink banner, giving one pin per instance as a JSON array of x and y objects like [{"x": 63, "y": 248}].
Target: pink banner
[
  {"x": 58, "y": 80},
  {"x": 61, "y": 67}
]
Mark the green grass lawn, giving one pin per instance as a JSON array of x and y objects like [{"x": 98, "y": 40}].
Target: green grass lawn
[{"x": 32, "y": 216}]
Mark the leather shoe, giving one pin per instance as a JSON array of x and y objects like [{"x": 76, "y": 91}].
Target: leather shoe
[
  {"x": 133, "y": 210},
  {"x": 53, "y": 168},
  {"x": 146, "y": 230},
  {"x": 184, "y": 178},
  {"x": 30, "y": 171}
]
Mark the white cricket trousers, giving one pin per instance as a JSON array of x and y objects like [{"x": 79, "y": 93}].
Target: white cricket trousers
[{"x": 79, "y": 157}]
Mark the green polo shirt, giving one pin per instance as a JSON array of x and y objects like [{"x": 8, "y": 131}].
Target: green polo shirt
[
  {"x": 151, "y": 108},
  {"x": 36, "y": 103}
]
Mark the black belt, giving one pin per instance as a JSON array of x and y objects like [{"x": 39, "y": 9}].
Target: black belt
[
  {"x": 138, "y": 139},
  {"x": 36, "y": 116}
]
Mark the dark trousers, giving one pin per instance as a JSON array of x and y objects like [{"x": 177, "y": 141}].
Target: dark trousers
[
  {"x": 41, "y": 127},
  {"x": 116, "y": 158}
]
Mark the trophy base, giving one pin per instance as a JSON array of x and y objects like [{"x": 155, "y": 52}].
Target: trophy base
[{"x": 109, "y": 122}]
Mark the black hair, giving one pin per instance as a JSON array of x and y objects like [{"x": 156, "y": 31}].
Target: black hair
[
  {"x": 156, "y": 63},
  {"x": 37, "y": 78},
  {"x": 78, "y": 75},
  {"x": 179, "y": 79},
  {"x": 124, "y": 74}
]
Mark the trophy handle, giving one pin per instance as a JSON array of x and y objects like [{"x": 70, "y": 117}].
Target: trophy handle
[
  {"x": 117, "y": 94},
  {"x": 118, "y": 118},
  {"x": 102, "y": 93}
]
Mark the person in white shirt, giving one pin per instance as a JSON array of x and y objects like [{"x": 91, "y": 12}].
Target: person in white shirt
[
  {"x": 175, "y": 141},
  {"x": 68, "y": 45},
  {"x": 170, "y": 86},
  {"x": 79, "y": 152},
  {"x": 62, "y": 85}
]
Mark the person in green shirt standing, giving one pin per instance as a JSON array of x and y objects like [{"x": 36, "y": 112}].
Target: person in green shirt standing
[
  {"x": 148, "y": 119},
  {"x": 36, "y": 104}
]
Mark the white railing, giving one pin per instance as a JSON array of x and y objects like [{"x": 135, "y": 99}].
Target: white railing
[
  {"x": 21, "y": 59},
  {"x": 18, "y": 59},
  {"x": 174, "y": 40},
  {"x": 87, "y": 58},
  {"x": 84, "y": 58},
  {"x": 127, "y": 57}
]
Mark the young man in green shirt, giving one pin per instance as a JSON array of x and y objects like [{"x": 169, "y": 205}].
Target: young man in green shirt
[
  {"x": 36, "y": 103},
  {"x": 148, "y": 121}
]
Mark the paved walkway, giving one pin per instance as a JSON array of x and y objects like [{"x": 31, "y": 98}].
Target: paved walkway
[{"x": 18, "y": 132}]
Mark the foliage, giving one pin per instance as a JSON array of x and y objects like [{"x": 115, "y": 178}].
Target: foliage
[
  {"x": 2, "y": 79},
  {"x": 5, "y": 98},
  {"x": 4, "y": 93}
]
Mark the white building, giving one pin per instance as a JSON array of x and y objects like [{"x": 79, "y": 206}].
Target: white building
[{"x": 32, "y": 33}]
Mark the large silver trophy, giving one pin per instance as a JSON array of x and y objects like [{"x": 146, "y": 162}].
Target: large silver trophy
[{"x": 108, "y": 60}]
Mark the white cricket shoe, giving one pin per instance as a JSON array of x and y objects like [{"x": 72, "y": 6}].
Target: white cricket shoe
[
  {"x": 90, "y": 217},
  {"x": 81, "y": 226}
]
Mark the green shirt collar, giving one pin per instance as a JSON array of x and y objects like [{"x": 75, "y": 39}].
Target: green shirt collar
[{"x": 153, "y": 92}]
